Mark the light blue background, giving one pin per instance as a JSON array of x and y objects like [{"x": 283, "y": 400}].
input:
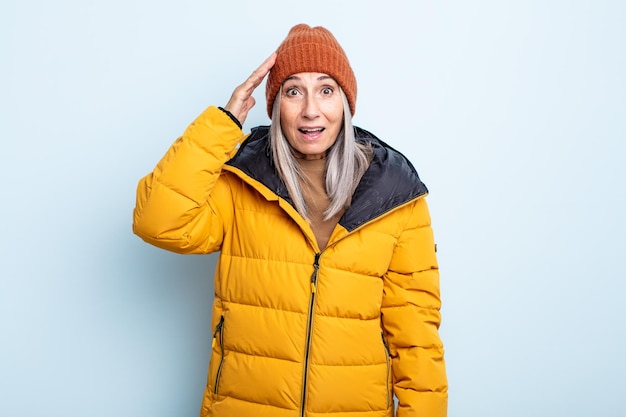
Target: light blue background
[{"x": 514, "y": 113}]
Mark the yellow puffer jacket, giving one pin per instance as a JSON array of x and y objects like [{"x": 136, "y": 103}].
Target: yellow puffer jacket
[{"x": 299, "y": 331}]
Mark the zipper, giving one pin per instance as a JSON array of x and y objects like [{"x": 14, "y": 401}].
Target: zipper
[
  {"x": 316, "y": 268},
  {"x": 388, "y": 359},
  {"x": 219, "y": 330}
]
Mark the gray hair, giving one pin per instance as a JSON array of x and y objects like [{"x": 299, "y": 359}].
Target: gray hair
[{"x": 346, "y": 162}]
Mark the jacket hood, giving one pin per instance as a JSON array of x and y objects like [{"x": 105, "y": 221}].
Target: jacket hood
[{"x": 389, "y": 182}]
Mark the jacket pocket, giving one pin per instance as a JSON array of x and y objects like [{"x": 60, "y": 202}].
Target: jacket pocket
[
  {"x": 218, "y": 337},
  {"x": 388, "y": 378}
]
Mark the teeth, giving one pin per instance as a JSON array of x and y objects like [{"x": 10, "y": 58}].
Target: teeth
[{"x": 311, "y": 130}]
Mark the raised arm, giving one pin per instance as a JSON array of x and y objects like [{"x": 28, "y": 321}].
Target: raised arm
[{"x": 184, "y": 204}]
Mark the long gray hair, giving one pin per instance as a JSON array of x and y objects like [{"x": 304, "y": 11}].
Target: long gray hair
[{"x": 346, "y": 162}]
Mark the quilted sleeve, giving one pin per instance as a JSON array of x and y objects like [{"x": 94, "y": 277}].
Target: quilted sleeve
[
  {"x": 185, "y": 204},
  {"x": 411, "y": 318}
]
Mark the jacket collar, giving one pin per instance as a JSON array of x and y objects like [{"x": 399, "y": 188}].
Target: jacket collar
[{"x": 389, "y": 182}]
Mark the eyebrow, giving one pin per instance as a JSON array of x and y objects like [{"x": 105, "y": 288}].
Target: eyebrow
[{"x": 320, "y": 78}]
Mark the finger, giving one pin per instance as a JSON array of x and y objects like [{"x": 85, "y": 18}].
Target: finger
[
  {"x": 269, "y": 62},
  {"x": 241, "y": 100},
  {"x": 249, "y": 104},
  {"x": 258, "y": 74}
]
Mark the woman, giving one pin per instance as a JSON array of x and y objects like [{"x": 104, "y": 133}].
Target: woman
[{"x": 327, "y": 287}]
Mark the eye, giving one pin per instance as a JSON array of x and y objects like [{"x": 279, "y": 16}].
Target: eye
[
  {"x": 327, "y": 91},
  {"x": 292, "y": 91}
]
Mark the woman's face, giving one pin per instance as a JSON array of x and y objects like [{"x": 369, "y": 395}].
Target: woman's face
[{"x": 311, "y": 113}]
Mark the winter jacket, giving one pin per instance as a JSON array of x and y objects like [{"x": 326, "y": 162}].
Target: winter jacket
[{"x": 298, "y": 331}]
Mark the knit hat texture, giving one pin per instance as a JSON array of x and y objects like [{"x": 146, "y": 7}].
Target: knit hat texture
[{"x": 310, "y": 49}]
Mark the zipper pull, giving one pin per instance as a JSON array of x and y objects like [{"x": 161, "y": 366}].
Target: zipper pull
[
  {"x": 382, "y": 334},
  {"x": 217, "y": 330},
  {"x": 316, "y": 269}
]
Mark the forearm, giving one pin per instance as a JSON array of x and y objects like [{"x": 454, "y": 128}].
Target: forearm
[{"x": 173, "y": 208}]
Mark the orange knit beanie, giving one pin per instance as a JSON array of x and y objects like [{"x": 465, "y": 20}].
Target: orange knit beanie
[{"x": 307, "y": 49}]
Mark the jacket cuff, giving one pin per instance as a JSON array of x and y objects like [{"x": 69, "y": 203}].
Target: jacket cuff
[{"x": 233, "y": 118}]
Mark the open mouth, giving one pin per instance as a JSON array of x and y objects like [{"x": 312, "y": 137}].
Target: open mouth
[{"x": 311, "y": 131}]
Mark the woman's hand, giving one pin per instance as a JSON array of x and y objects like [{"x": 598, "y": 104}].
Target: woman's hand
[{"x": 242, "y": 101}]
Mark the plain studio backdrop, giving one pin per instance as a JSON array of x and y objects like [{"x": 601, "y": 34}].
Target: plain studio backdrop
[{"x": 513, "y": 112}]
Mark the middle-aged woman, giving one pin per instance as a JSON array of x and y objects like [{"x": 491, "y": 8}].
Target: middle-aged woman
[{"x": 327, "y": 284}]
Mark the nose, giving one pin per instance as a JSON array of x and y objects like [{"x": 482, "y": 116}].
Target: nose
[{"x": 310, "y": 107}]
